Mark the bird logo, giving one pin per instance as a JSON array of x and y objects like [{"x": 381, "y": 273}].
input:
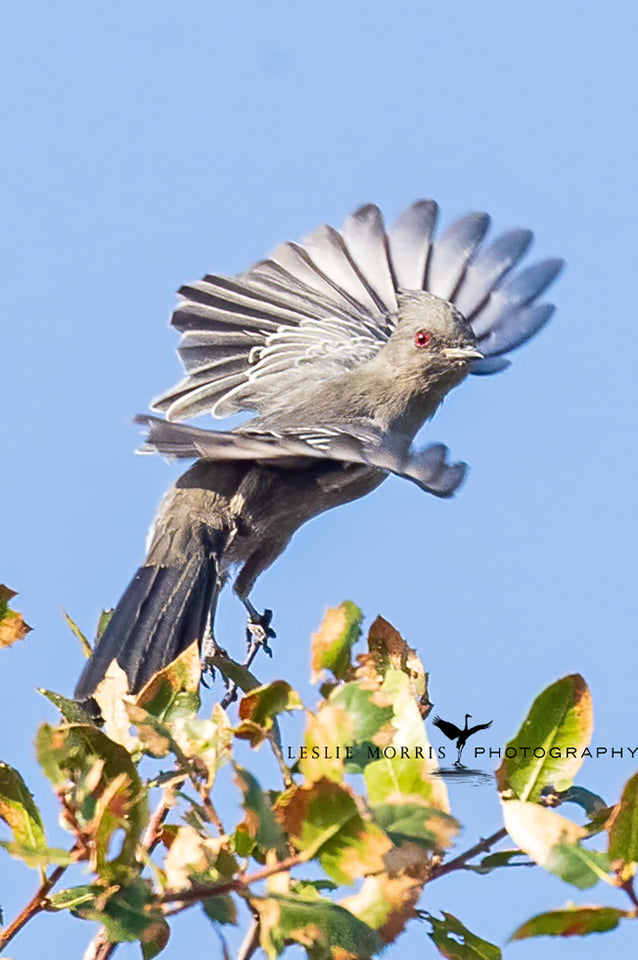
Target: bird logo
[{"x": 452, "y": 732}]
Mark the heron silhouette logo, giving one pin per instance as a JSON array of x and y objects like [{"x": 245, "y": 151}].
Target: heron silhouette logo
[{"x": 452, "y": 732}]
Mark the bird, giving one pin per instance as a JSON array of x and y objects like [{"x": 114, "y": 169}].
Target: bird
[
  {"x": 341, "y": 347},
  {"x": 452, "y": 732}
]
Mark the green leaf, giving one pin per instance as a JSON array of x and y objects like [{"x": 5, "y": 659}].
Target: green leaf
[
  {"x": 552, "y": 841},
  {"x": 39, "y": 857},
  {"x": 19, "y": 811},
  {"x": 560, "y": 717},
  {"x": 493, "y": 861},
  {"x": 86, "y": 646},
  {"x": 331, "y": 645},
  {"x": 623, "y": 833},
  {"x": 103, "y": 622},
  {"x": 71, "y": 710},
  {"x": 456, "y": 942},
  {"x": 570, "y": 922},
  {"x": 127, "y": 912},
  {"x": 579, "y": 866},
  {"x": 220, "y": 909},
  {"x": 259, "y": 823},
  {"x": 324, "y": 821},
  {"x": 322, "y": 927},
  {"x": 74, "y": 897},
  {"x": 416, "y": 823},
  {"x": 362, "y": 705}
]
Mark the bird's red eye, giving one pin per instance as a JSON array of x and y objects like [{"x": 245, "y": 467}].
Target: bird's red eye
[{"x": 422, "y": 338}]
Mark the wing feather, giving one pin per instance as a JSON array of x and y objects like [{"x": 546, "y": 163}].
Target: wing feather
[{"x": 330, "y": 303}]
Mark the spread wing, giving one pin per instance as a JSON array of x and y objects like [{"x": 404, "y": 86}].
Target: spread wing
[
  {"x": 450, "y": 730},
  {"x": 362, "y": 444},
  {"x": 327, "y": 304}
]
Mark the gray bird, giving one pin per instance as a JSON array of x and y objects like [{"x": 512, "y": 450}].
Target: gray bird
[{"x": 344, "y": 346}]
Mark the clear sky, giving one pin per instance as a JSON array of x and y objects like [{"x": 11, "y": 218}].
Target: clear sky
[{"x": 147, "y": 143}]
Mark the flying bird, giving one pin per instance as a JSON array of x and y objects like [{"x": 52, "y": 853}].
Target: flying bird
[
  {"x": 342, "y": 346},
  {"x": 452, "y": 732}
]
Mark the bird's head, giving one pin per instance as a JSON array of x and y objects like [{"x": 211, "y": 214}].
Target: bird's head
[
  {"x": 429, "y": 352},
  {"x": 432, "y": 336},
  {"x": 468, "y": 715}
]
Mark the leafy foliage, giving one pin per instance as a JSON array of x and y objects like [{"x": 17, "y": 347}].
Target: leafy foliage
[{"x": 335, "y": 857}]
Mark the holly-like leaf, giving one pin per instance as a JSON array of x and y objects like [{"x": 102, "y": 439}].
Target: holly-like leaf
[
  {"x": 416, "y": 823},
  {"x": 100, "y": 782},
  {"x": 71, "y": 710},
  {"x": 570, "y": 922},
  {"x": 387, "y": 650},
  {"x": 325, "y": 929},
  {"x": 174, "y": 689},
  {"x": 324, "y": 821},
  {"x": 128, "y": 912},
  {"x": 386, "y": 902},
  {"x": 331, "y": 645},
  {"x": 258, "y": 709},
  {"x": 623, "y": 830},
  {"x": 560, "y": 717},
  {"x": 75, "y": 630},
  {"x": 12, "y": 626},
  {"x": 19, "y": 811},
  {"x": 454, "y": 941},
  {"x": 259, "y": 824},
  {"x": 552, "y": 842}
]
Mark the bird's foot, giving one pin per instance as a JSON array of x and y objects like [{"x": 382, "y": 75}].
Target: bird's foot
[
  {"x": 461, "y": 766},
  {"x": 210, "y": 653},
  {"x": 258, "y": 631}
]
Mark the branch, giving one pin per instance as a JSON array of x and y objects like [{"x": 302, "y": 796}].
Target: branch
[
  {"x": 34, "y": 906},
  {"x": 483, "y": 846},
  {"x": 100, "y": 947}
]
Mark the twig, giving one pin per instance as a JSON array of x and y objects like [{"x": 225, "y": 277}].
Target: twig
[
  {"x": 628, "y": 887},
  {"x": 250, "y": 942},
  {"x": 100, "y": 947},
  {"x": 483, "y": 846},
  {"x": 203, "y": 891},
  {"x": 34, "y": 906}
]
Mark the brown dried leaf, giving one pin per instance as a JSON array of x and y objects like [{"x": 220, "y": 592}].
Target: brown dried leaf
[{"x": 12, "y": 626}]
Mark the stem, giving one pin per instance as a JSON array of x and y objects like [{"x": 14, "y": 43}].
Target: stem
[
  {"x": 34, "y": 906},
  {"x": 483, "y": 846}
]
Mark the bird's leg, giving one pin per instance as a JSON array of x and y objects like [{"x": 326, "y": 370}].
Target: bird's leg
[
  {"x": 210, "y": 649},
  {"x": 258, "y": 633},
  {"x": 458, "y": 759}
]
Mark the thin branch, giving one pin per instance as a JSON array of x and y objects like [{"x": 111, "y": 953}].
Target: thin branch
[
  {"x": 100, "y": 947},
  {"x": 483, "y": 846},
  {"x": 250, "y": 942},
  {"x": 203, "y": 891},
  {"x": 34, "y": 906}
]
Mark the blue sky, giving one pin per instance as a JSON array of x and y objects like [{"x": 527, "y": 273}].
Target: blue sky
[{"x": 148, "y": 143}]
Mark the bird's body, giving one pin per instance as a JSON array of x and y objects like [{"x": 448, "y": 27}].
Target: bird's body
[{"x": 343, "y": 346}]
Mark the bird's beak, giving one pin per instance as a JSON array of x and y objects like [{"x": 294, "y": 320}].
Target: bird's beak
[{"x": 462, "y": 354}]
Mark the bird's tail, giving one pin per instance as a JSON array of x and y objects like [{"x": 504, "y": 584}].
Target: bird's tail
[{"x": 163, "y": 610}]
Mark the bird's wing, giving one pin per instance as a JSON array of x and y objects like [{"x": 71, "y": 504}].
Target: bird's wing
[
  {"x": 360, "y": 443},
  {"x": 479, "y": 726},
  {"x": 325, "y": 305},
  {"x": 449, "y": 729}
]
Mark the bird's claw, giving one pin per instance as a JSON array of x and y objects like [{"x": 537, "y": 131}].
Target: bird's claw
[
  {"x": 258, "y": 629},
  {"x": 210, "y": 653}
]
